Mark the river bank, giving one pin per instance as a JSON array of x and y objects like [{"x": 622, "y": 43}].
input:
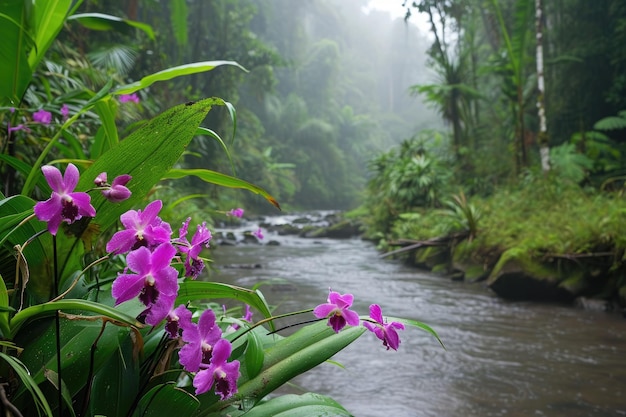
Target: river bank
[{"x": 517, "y": 267}]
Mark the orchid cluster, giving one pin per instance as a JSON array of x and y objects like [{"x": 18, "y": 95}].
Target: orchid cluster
[
  {"x": 337, "y": 310},
  {"x": 150, "y": 251}
]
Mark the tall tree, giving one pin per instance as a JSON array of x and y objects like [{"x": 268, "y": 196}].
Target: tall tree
[{"x": 544, "y": 149}]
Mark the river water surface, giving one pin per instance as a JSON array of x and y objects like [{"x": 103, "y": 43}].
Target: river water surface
[{"x": 501, "y": 358}]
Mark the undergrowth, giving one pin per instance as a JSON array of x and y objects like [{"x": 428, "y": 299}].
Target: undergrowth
[{"x": 543, "y": 218}]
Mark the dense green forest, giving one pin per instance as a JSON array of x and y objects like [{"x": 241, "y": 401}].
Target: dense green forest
[
  {"x": 322, "y": 93},
  {"x": 337, "y": 106},
  {"x": 525, "y": 188}
]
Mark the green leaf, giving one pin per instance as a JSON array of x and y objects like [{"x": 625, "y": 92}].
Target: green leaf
[
  {"x": 107, "y": 136},
  {"x": 35, "y": 172},
  {"x": 53, "y": 377},
  {"x": 4, "y": 309},
  {"x": 166, "y": 400},
  {"x": 77, "y": 339},
  {"x": 610, "y": 123},
  {"x": 418, "y": 325},
  {"x": 14, "y": 71},
  {"x": 49, "y": 17},
  {"x": 254, "y": 354},
  {"x": 204, "y": 290},
  {"x": 50, "y": 308},
  {"x": 296, "y": 354},
  {"x": 291, "y": 405},
  {"x": 24, "y": 375},
  {"x": 100, "y": 21},
  {"x": 146, "y": 154},
  {"x": 117, "y": 383},
  {"x": 25, "y": 169},
  {"x": 173, "y": 72},
  {"x": 13, "y": 210},
  {"x": 179, "y": 21},
  {"x": 220, "y": 179},
  {"x": 208, "y": 132}
]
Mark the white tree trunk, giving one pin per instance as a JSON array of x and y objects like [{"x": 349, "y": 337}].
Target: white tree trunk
[{"x": 544, "y": 149}]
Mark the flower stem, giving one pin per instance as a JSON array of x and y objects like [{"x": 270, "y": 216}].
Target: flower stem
[
  {"x": 94, "y": 263},
  {"x": 57, "y": 322},
  {"x": 268, "y": 319}
]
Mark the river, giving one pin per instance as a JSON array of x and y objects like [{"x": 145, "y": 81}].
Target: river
[{"x": 501, "y": 358}]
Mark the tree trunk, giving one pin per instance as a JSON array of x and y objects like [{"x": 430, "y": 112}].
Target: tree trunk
[{"x": 542, "y": 138}]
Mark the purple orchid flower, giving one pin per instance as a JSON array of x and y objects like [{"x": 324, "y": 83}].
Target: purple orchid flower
[
  {"x": 177, "y": 320},
  {"x": 42, "y": 116},
  {"x": 153, "y": 280},
  {"x": 124, "y": 98},
  {"x": 65, "y": 111},
  {"x": 64, "y": 204},
  {"x": 223, "y": 374},
  {"x": 12, "y": 129},
  {"x": 258, "y": 233},
  {"x": 200, "y": 339},
  {"x": 384, "y": 331},
  {"x": 236, "y": 212},
  {"x": 117, "y": 190},
  {"x": 337, "y": 309},
  {"x": 143, "y": 228},
  {"x": 247, "y": 317},
  {"x": 193, "y": 264}
]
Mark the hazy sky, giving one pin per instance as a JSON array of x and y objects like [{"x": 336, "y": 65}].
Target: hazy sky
[{"x": 394, "y": 7}]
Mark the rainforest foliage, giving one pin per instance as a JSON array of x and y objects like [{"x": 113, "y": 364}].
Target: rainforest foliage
[
  {"x": 321, "y": 93},
  {"x": 516, "y": 80}
]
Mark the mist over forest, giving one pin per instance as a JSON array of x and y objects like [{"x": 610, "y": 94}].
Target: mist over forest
[{"x": 327, "y": 90}]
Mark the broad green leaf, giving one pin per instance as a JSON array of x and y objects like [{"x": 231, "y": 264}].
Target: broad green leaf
[
  {"x": 220, "y": 179},
  {"x": 173, "y": 72},
  {"x": 146, "y": 154},
  {"x": 77, "y": 342},
  {"x": 204, "y": 290},
  {"x": 13, "y": 210},
  {"x": 100, "y": 21},
  {"x": 16, "y": 40},
  {"x": 49, "y": 17},
  {"x": 166, "y": 400},
  {"x": 306, "y": 405},
  {"x": 24, "y": 375},
  {"x": 50, "y": 308},
  {"x": 117, "y": 383},
  {"x": 107, "y": 136}
]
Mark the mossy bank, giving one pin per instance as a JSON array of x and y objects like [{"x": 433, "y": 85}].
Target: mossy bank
[{"x": 543, "y": 243}]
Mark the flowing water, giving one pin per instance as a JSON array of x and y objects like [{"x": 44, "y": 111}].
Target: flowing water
[{"x": 501, "y": 358}]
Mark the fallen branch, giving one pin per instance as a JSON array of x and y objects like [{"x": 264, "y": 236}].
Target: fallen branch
[{"x": 408, "y": 245}]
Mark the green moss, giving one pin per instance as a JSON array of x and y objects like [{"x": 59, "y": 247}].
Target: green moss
[
  {"x": 576, "y": 283},
  {"x": 519, "y": 258},
  {"x": 474, "y": 273}
]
